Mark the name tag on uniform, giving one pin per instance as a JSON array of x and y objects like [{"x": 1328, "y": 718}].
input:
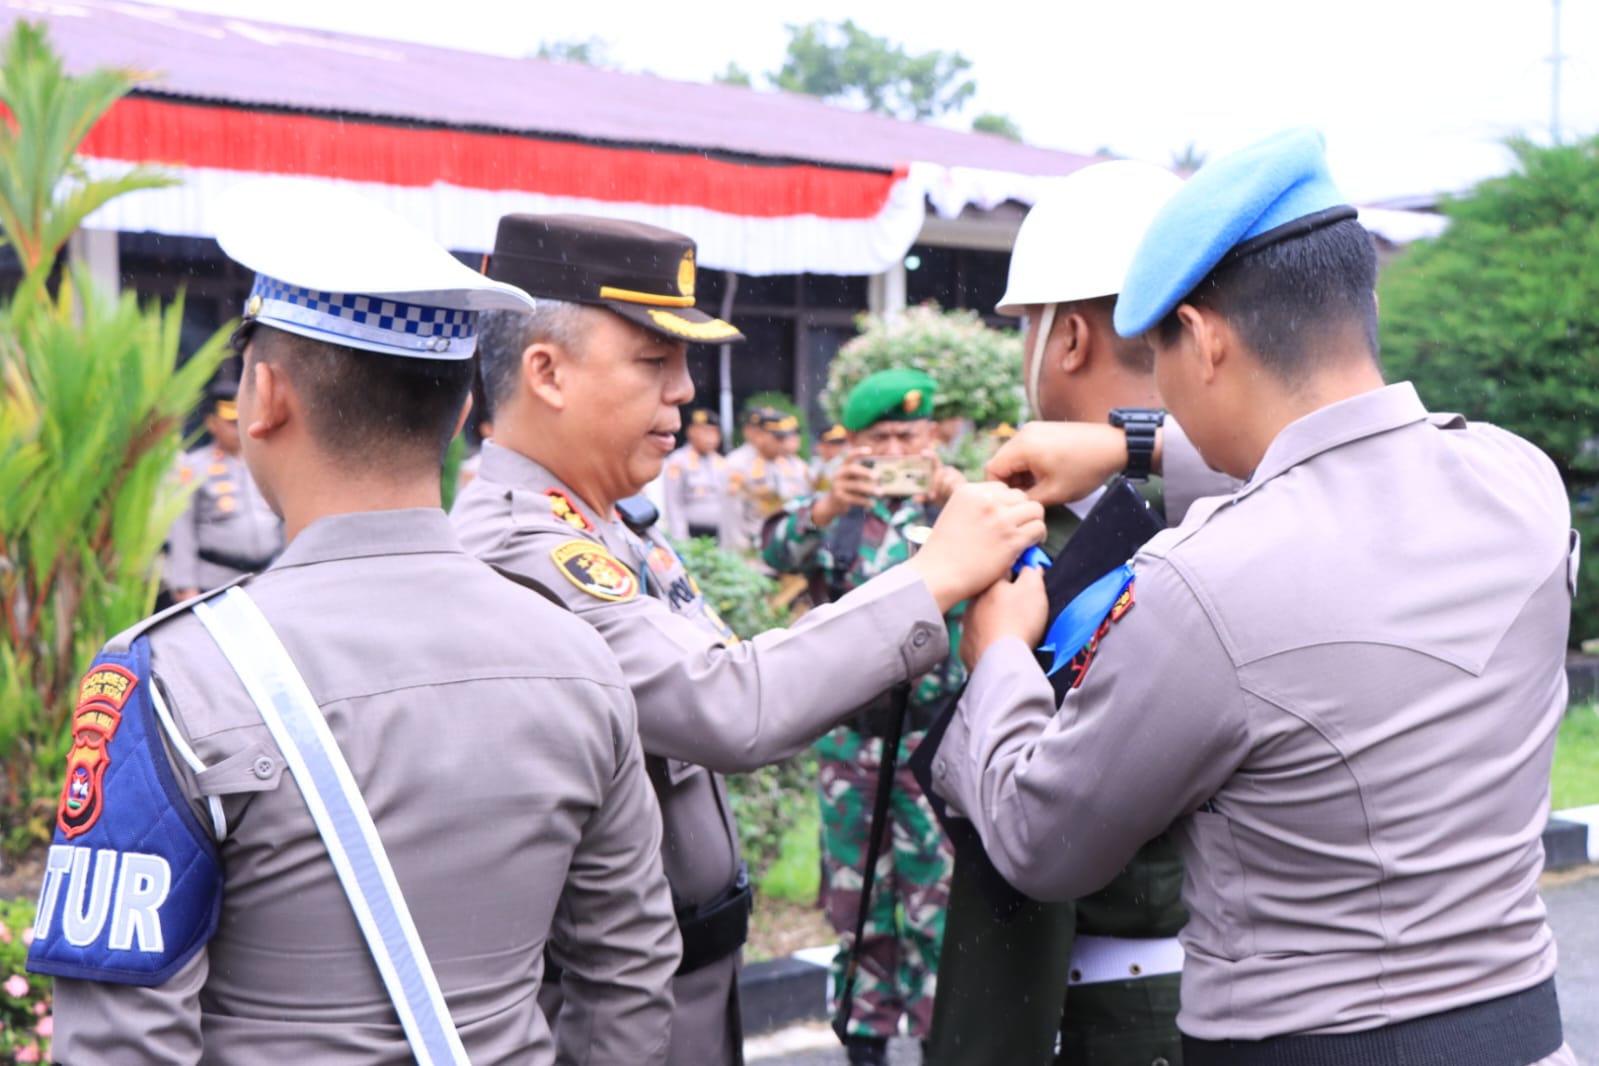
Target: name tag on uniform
[{"x": 132, "y": 885}]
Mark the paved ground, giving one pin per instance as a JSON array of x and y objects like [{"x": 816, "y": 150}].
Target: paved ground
[{"x": 1573, "y": 899}]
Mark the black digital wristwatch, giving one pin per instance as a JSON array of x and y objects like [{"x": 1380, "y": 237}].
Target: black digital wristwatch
[{"x": 1139, "y": 423}]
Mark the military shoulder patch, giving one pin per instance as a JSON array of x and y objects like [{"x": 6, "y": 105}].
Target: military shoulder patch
[
  {"x": 594, "y": 570},
  {"x": 568, "y": 512}
]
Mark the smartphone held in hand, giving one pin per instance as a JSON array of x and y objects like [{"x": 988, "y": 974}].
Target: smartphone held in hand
[{"x": 901, "y": 475}]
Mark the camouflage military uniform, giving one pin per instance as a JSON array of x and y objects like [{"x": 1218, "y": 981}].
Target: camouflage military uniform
[{"x": 905, "y": 927}]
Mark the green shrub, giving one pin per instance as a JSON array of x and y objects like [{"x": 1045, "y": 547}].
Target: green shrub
[{"x": 978, "y": 369}]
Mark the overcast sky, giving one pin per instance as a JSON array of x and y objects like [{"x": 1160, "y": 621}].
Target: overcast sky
[{"x": 1414, "y": 96}]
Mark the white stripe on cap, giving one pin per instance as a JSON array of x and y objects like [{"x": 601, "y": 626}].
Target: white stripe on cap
[{"x": 371, "y": 323}]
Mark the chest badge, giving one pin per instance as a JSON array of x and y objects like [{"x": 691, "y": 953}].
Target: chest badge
[{"x": 595, "y": 570}]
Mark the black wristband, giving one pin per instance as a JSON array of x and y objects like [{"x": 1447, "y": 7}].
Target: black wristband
[{"x": 1139, "y": 424}]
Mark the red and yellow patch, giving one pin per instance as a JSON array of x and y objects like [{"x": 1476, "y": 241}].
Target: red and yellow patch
[
  {"x": 101, "y": 697},
  {"x": 595, "y": 570},
  {"x": 1077, "y": 669},
  {"x": 568, "y": 512}
]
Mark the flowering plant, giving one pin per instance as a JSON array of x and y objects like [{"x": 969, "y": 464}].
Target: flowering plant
[{"x": 26, "y": 1024}]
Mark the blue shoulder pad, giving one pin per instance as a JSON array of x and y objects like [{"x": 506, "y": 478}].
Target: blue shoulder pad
[{"x": 133, "y": 884}]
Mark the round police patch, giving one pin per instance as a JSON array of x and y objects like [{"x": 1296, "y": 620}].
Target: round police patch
[{"x": 594, "y": 570}]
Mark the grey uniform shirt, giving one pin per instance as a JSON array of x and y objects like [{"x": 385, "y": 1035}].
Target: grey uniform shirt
[
  {"x": 694, "y": 488},
  {"x": 708, "y": 703},
  {"x": 704, "y": 700},
  {"x": 1343, "y": 684},
  {"x": 496, "y": 747},
  {"x": 227, "y": 530}
]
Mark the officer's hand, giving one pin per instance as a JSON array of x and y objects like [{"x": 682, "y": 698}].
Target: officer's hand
[
  {"x": 854, "y": 485},
  {"x": 179, "y": 595},
  {"x": 1058, "y": 462},
  {"x": 946, "y": 479},
  {"x": 983, "y": 529},
  {"x": 1008, "y": 608}
]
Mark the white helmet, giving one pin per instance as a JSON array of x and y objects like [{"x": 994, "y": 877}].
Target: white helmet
[{"x": 1077, "y": 241}]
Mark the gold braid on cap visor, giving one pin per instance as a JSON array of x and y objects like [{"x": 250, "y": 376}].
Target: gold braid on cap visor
[{"x": 700, "y": 331}]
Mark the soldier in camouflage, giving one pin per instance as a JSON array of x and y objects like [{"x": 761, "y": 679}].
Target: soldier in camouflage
[{"x": 839, "y": 540}]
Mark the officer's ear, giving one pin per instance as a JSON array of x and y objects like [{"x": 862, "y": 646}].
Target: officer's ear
[
  {"x": 1068, "y": 341},
  {"x": 1207, "y": 341},
  {"x": 271, "y": 401},
  {"x": 541, "y": 373}
]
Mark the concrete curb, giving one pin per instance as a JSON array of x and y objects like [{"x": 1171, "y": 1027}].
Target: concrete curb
[{"x": 783, "y": 992}]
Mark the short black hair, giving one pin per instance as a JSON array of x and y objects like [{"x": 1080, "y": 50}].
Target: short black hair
[
  {"x": 502, "y": 337},
  {"x": 373, "y": 410},
  {"x": 1284, "y": 298},
  {"x": 1133, "y": 353}
]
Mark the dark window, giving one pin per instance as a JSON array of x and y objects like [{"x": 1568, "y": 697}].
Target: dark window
[{"x": 834, "y": 292}]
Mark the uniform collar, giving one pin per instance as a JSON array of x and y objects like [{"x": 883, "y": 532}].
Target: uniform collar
[
  {"x": 362, "y": 534},
  {"x": 509, "y": 467},
  {"x": 1335, "y": 425}
]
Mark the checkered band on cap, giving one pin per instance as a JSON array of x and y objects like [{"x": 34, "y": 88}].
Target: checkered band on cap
[{"x": 368, "y": 322}]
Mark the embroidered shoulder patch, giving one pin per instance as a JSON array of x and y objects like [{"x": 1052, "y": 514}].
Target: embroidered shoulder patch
[
  {"x": 101, "y": 697},
  {"x": 568, "y": 512},
  {"x": 594, "y": 570},
  {"x": 1077, "y": 669}
]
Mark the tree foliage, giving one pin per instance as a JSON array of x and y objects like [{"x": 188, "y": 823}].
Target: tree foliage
[
  {"x": 592, "y": 52},
  {"x": 733, "y": 74},
  {"x": 1497, "y": 319},
  {"x": 45, "y": 192},
  {"x": 999, "y": 125},
  {"x": 843, "y": 63},
  {"x": 978, "y": 369}
]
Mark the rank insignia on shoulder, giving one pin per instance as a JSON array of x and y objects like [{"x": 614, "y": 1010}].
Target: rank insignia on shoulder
[
  {"x": 568, "y": 512},
  {"x": 594, "y": 570},
  {"x": 132, "y": 883}
]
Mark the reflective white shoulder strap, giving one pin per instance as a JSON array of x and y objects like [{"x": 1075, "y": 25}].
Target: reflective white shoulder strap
[{"x": 330, "y": 791}]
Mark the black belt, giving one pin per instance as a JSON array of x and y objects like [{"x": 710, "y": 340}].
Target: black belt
[
  {"x": 702, "y": 531},
  {"x": 234, "y": 562},
  {"x": 714, "y": 930},
  {"x": 710, "y": 932},
  {"x": 1513, "y": 1030}
]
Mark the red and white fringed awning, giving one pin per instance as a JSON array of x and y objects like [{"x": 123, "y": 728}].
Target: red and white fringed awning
[{"x": 747, "y": 217}]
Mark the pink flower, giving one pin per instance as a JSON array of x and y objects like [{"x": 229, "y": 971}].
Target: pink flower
[
  {"x": 40, "y": 1007},
  {"x": 27, "y": 935},
  {"x": 5, "y": 933},
  {"x": 46, "y": 1026},
  {"x": 28, "y": 1054},
  {"x": 16, "y": 986}
]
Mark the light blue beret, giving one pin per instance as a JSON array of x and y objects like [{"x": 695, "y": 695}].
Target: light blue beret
[{"x": 1273, "y": 190}]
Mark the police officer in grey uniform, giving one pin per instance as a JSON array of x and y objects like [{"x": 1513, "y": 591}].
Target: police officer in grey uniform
[
  {"x": 1341, "y": 683},
  {"x": 762, "y": 477},
  {"x": 695, "y": 480},
  {"x": 228, "y": 529},
  {"x": 585, "y": 395},
  {"x": 190, "y": 911}
]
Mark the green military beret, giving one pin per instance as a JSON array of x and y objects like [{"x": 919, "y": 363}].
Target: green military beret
[{"x": 889, "y": 396}]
